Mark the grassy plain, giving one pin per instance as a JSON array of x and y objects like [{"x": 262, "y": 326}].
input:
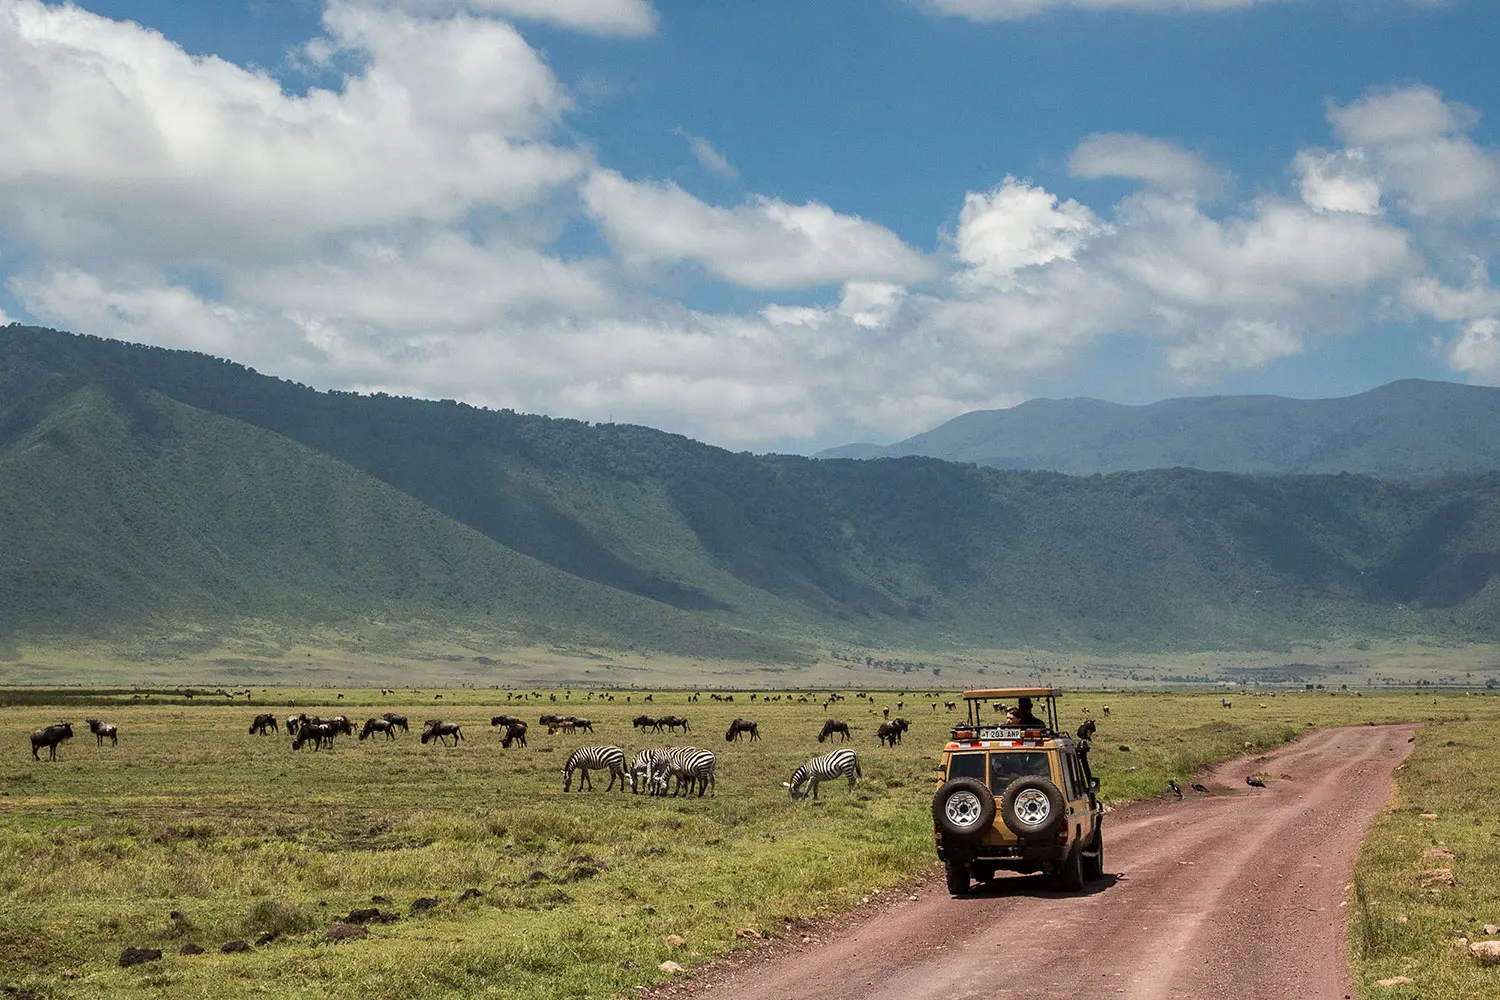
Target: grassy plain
[{"x": 242, "y": 836}]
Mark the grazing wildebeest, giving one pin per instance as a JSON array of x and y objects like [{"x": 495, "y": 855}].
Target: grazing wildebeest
[
  {"x": 438, "y": 729},
  {"x": 835, "y": 726},
  {"x": 514, "y": 733},
  {"x": 646, "y": 722},
  {"x": 263, "y": 722},
  {"x": 378, "y": 726},
  {"x": 741, "y": 726},
  {"x": 101, "y": 730},
  {"x": 294, "y": 722},
  {"x": 399, "y": 721},
  {"x": 672, "y": 722},
  {"x": 318, "y": 733},
  {"x": 50, "y": 737}
]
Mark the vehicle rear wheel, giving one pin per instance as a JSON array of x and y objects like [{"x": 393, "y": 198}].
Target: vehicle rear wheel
[
  {"x": 958, "y": 877},
  {"x": 1093, "y": 861},
  {"x": 1070, "y": 872}
]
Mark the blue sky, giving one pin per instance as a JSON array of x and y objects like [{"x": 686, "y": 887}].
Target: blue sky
[{"x": 772, "y": 225}]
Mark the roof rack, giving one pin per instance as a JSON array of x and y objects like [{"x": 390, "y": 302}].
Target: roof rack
[{"x": 978, "y": 698}]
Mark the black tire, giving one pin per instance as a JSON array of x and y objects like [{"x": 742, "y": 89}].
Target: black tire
[
  {"x": 1070, "y": 873},
  {"x": 1093, "y": 861},
  {"x": 1032, "y": 808},
  {"x": 958, "y": 877},
  {"x": 963, "y": 809}
]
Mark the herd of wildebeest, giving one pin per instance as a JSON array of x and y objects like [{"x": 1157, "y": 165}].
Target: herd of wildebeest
[{"x": 675, "y": 770}]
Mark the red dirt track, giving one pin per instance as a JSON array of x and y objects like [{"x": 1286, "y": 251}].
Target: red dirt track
[{"x": 1234, "y": 895}]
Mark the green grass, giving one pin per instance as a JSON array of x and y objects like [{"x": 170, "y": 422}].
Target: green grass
[
  {"x": 580, "y": 892},
  {"x": 1443, "y": 815}
]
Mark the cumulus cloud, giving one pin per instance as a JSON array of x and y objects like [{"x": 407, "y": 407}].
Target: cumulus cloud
[
  {"x": 1476, "y": 349},
  {"x": 708, "y": 157},
  {"x": 1161, "y": 164},
  {"x": 1337, "y": 182},
  {"x": 1017, "y": 225},
  {"x": 764, "y": 244}
]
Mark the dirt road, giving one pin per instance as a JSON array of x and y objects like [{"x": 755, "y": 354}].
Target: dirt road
[{"x": 1233, "y": 895}]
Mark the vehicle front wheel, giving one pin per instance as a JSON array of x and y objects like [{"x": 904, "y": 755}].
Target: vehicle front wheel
[
  {"x": 1093, "y": 862},
  {"x": 958, "y": 877},
  {"x": 1070, "y": 872}
]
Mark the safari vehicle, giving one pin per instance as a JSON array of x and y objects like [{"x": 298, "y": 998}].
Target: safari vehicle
[{"x": 1016, "y": 797}]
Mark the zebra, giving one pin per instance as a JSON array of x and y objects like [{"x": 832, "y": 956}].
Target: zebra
[
  {"x": 823, "y": 768},
  {"x": 643, "y": 764},
  {"x": 595, "y": 758},
  {"x": 690, "y": 766}
]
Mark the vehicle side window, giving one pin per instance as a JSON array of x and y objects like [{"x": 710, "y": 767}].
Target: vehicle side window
[
  {"x": 1075, "y": 776},
  {"x": 966, "y": 765},
  {"x": 1007, "y": 767}
]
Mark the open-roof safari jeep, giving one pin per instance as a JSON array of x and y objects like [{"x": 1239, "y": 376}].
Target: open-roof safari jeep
[{"x": 1017, "y": 797}]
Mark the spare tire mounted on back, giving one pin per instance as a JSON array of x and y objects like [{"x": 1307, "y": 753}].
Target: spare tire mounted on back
[
  {"x": 963, "y": 809},
  {"x": 1032, "y": 807}
]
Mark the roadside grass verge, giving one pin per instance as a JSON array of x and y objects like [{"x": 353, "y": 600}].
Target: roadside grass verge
[
  {"x": 1428, "y": 876},
  {"x": 579, "y": 893}
]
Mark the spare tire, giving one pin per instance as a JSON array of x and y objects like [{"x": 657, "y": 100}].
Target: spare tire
[
  {"x": 1032, "y": 807},
  {"x": 963, "y": 809}
]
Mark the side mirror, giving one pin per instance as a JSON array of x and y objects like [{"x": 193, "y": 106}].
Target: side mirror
[{"x": 1093, "y": 786}]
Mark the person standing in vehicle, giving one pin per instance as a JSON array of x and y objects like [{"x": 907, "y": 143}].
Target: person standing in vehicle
[{"x": 1022, "y": 716}]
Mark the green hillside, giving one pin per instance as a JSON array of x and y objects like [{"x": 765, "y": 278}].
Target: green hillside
[
  {"x": 1406, "y": 429},
  {"x": 140, "y": 486}
]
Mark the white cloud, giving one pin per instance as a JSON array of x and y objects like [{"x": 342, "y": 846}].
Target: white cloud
[
  {"x": 1163, "y": 165},
  {"x": 1235, "y": 344},
  {"x": 1017, "y": 225},
  {"x": 1009, "y": 10},
  {"x": 1417, "y": 144},
  {"x": 708, "y": 157},
  {"x": 623, "y": 18},
  {"x": 117, "y": 139},
  {"x": 1476, "y": 349},
  {"x": 1337, "y": 181},
  {"x": 765, "y": 244}
]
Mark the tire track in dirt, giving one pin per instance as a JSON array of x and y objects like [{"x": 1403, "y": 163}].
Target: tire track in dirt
[{"x": 1234, "y": 895}]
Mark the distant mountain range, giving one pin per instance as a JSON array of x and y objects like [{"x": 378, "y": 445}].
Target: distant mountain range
[
  {"x": 1403, "y": 430},
  {"x": 173, "y": 504}
]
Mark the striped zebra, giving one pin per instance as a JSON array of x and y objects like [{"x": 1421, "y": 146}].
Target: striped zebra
[
  {"x": 597, "y": 758},
  {"x": 830, "y": 765},
  {"x": 643, "y": 766},
  {"x": 689, "y": 766}
]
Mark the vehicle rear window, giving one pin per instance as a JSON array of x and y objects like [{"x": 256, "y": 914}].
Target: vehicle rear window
[
  {"x": 1007, "y": 767},
  {"x": 966, "y": 765}
]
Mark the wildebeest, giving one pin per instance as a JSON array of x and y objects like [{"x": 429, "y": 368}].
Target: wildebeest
[
  {"x": 672, "y": 722},
  {"x": 102, "y": 729},
  {"x": 514, "y": 733},
  {"x": 263, "y": 722},
  {"x": 378, "y": 726},
  {"x": 835, "y": 726},
  {"x": 50, "y": 737},
  {"x": 318, "y": 733},
  {"x": 741, "y": 726},
  {"x": 504, "y": 720},
  {"x": 646, "y": 722},
  {"x": 294, "y": 722},
  {"x": 399, "y": 721},
  {"x": 438, "y": 729},
  {"x": 582, "y": 725},
  {"x": 1087, "y": 730},
  {"x": 889, "y": 733}
]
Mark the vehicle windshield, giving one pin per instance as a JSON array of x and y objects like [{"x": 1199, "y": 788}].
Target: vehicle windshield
[{"x": 1007, "y": 767}]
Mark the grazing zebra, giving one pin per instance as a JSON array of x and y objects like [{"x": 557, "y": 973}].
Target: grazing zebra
[
  {"x": 103, "y": 730},
  {"x": 690, "y": 766},
  {"x": 50, "y": 737},
  {"x": 264, "y": 721},
  {"x": 437, "y": 729},
  {"x": 642, "y": 766},
  {"x": 378, "y": 726},
  {"x": 595, "y": 758},
  {"x": 834, "y": 726},
  {"x": 823, "y": 768}
]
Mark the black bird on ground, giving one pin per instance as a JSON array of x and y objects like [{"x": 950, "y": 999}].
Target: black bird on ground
[
  {"x": 1176, "y": 788},
  {"x": 1255, "y": 782},
  {"x": 1200, "y": 788}
]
